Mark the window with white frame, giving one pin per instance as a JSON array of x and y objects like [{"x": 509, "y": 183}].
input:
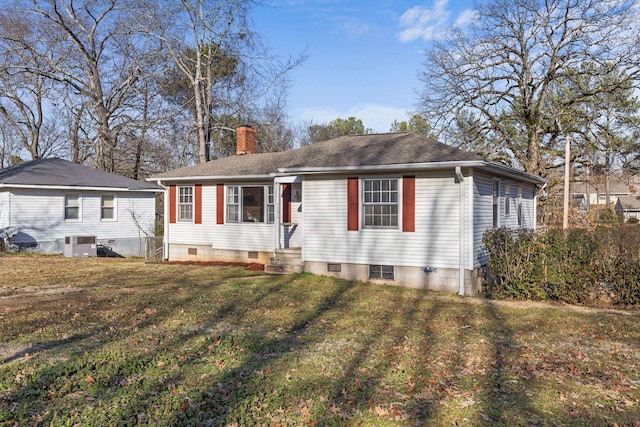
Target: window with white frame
[
  {"x": 380, "y": 203},
  {"x": 507, "y": 199},
  {"x": 270, "y": 204},
  {"x": 519, "y": 205},
  {"x": 72, "y": 207},
  {"x": 250, "y": 204},
  {"x": 233, "y": 204},
  {"x": 185, "y": 204},
  {"x": 496, "y": 203},
  {"x": 107, "y": 207},
  {"x": 382, "y": 272}
]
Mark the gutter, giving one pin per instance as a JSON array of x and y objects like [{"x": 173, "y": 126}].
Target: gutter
[
  {"x": 211, "y": 178},
  {"x": 461, "y": 227},
  {"x": 80, "y": 188},
  {"x": 165, "y": 221},
  {"x": 480, "y": 164}
]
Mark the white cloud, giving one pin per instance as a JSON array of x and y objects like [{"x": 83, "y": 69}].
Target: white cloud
[
  {"x": 464, "y": 18},
  {"x": 421, "y": 22},
  {"x": 374, "y": 116}
]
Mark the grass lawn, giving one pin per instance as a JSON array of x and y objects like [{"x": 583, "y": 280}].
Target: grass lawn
[{"x": 119, "y": 342}]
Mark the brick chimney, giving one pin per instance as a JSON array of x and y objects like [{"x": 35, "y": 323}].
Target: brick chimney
[{"x": 245, "y": 140}]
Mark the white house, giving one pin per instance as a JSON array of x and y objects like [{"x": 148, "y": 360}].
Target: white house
[
  {"x": 50, "y": 199},
  {"x": 397, "y": 208}
]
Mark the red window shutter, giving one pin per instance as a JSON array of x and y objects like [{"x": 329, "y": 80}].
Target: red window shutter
[
  {"x": 172, "y": 204},
  {"x": 353, "y": 201},
  {"x": 408, "y": 203},
  {"x": 286, "y": 203},
  {"x": 197, "y": 198},
  {"x": 220, "y": 204}
]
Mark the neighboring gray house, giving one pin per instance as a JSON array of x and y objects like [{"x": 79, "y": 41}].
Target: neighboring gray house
[
  {"x": 596, "y": 196},
  {"x": 50, "y": 199},
  {"x": 394, "y": 208},
  {"x": 629, "y": 208}
]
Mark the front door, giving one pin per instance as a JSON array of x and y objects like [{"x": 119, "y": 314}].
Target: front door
[{"x": 292, "y": 230}]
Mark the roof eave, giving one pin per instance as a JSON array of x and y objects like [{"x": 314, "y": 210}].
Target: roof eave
[
  {"x": 373, "y": 168},
  {"x": 78, "y": 187},
  {"x": 479, "y": 164},
  {"x": 210, "y": 178},
  {"x": 514, "y": 173}
]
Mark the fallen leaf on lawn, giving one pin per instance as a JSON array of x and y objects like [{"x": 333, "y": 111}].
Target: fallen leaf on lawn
[{"x": 380, "y": 411}]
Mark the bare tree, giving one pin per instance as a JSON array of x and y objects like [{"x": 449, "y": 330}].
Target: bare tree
[
  {"x": 25, "y": 97},
  {"x": 497, "y": 74},
  {"x": 89, "y": 47},
  {"x": 217, "y": 59}
]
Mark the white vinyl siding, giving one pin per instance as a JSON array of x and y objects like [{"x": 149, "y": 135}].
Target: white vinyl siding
[
  {"x": 228, "y": 236},
  {"x": 5, "y": 208},
  {"x": 483, "y": 211},
  {"x": 434, "y": 242},
  {"x": 39, "y": 215}
]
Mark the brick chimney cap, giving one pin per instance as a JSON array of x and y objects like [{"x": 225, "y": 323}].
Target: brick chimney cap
[{"x": 245, "y": 126}]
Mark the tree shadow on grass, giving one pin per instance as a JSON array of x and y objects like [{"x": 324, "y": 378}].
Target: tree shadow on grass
[
  {"x": 103, "y": 379},
  {"x": 364, "y": 388},
  {"x": 508, "y": 398}
]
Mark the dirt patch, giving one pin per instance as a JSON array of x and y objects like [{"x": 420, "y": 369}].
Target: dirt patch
[{"x": 249, "y": 266}]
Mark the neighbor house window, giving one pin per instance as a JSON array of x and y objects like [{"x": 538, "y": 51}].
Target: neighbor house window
[
  {"x": 519, "y": 205},
  {"x": 72, "y": 207},
  {"x": 185, "y": 203},
  {"x": 380, "y": 202},
  {"x": 381, "y": 272},
  {"x": 507, "y": 199},
  {"x": 496, "y": 203},
  {"x": 107, "y": 207},
  {"x": 250, "y": 204}
]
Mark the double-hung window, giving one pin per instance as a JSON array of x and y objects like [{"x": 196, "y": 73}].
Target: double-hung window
[
  {"x": 507, "y": 199},
  {"x": 380, "y": 203},
  {"x": 107, "y": 207},
  {"x": 270, "y": 204},
  {"x": 233, "y": 204},
  {"x": 519, "y": 205},
  {"x": 185, "y": 204},
  {"x": 496, "y": 203},
  {"x": 250, "y": 204},
  {"x": 72, "y": 207}
]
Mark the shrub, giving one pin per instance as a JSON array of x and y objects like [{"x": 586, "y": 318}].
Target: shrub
[
  {"x": 600, "y": 266},
  {"x": 514, "y": 264}
]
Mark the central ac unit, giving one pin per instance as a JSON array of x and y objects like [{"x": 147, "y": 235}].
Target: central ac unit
[{"x": 80, "y": 246}]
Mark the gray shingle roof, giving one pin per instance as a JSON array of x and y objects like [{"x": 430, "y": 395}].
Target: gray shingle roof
[
  {"x": 59, "y": 172},
  {"x": 345, "y": 151},
  {"x": 629, "y": 202},
  {"x": 615, "y": 187}
]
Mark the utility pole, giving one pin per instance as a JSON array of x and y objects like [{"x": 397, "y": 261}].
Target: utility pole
[{"x": 567, "y": 167}]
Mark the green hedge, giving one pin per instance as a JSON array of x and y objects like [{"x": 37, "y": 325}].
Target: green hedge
[{"x": 590, "y": 267}]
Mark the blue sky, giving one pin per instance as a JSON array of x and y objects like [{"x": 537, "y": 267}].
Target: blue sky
[{"x": 363, "y": 56}]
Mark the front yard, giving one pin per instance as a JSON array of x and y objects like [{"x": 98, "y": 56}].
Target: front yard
[{"x": 119, "y": 342}]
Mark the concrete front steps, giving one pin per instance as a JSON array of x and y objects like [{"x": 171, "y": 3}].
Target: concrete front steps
[{"x": 285, "y": 261}]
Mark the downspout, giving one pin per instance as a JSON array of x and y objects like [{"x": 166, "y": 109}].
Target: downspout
[
  {"x": 461, "y": 229},
  {"x": 277, "y": 215},
  {"x": 165, "y": 236}
]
